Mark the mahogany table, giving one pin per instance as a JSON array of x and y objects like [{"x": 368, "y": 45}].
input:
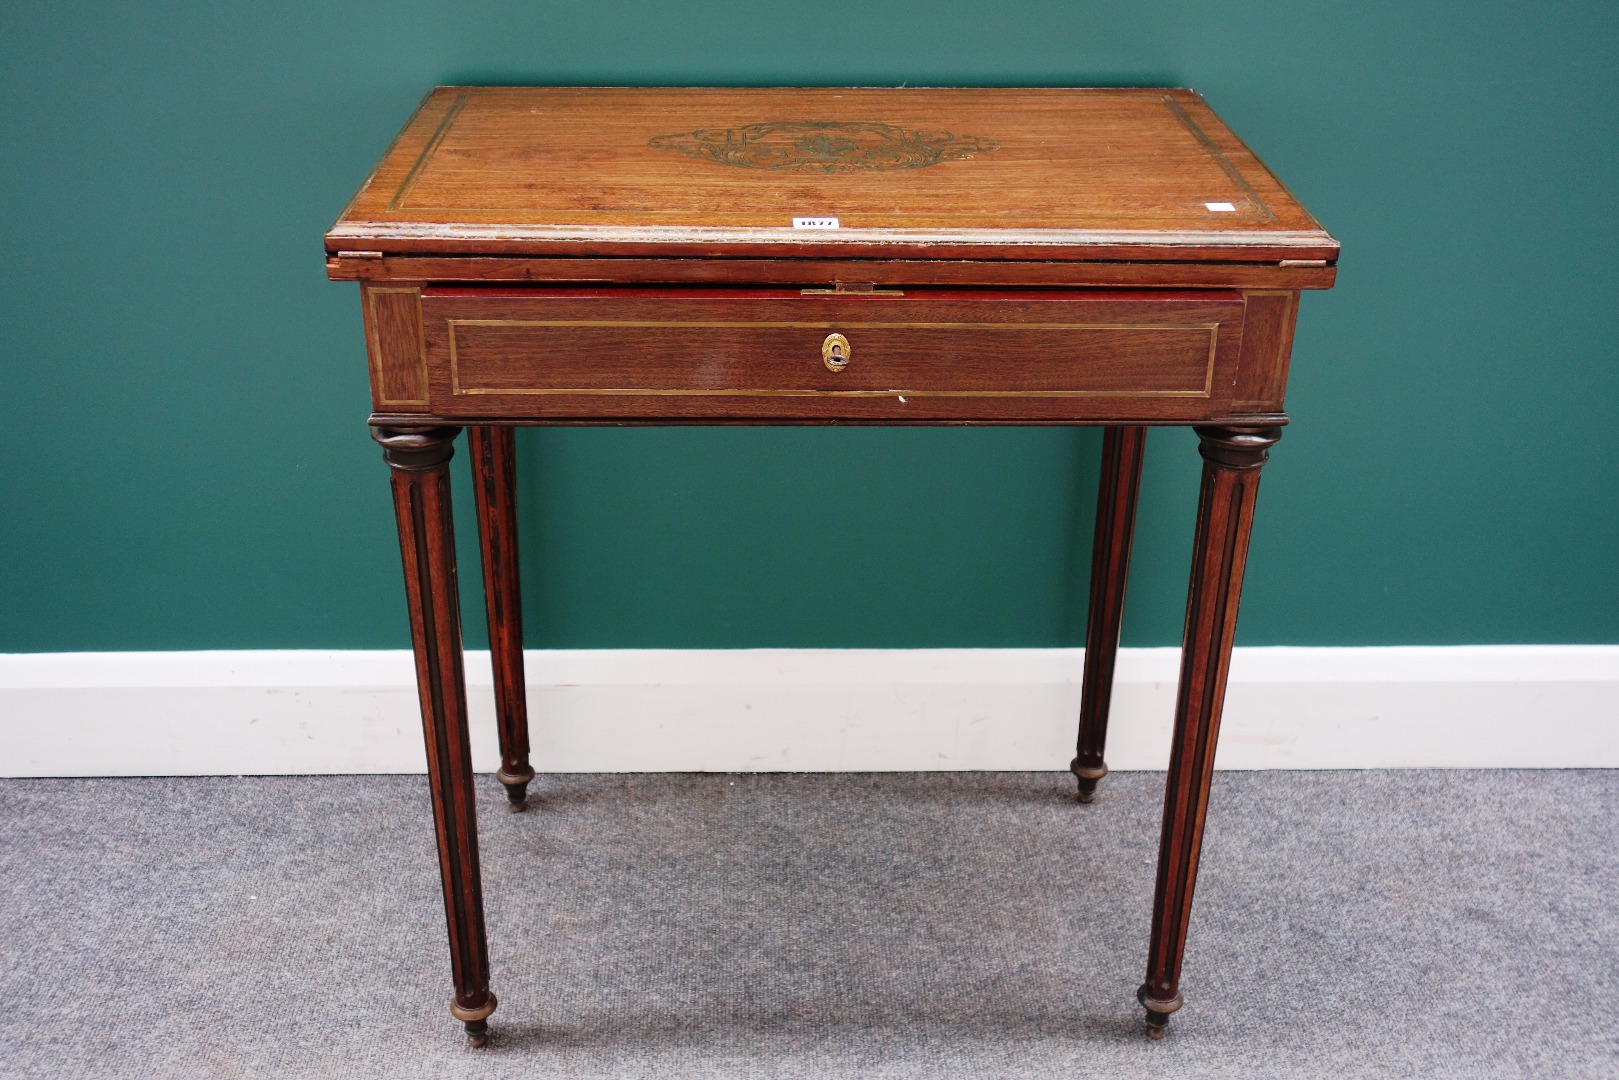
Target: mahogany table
[{"x": 823, "y": 256}]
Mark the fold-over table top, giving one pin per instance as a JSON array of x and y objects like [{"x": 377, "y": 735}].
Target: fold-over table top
[{"x": 1138, "y": 175}]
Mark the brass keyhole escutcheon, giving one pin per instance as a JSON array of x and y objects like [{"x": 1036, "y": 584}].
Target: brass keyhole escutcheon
[{"x": 835, "y": 352}]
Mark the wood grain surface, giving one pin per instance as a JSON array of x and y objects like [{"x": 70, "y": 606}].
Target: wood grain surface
[
  {"x": 920, "y": 355},
  {"x": 419, "y": 462},
  {"x": 1134, "y": 174},
  {"x": 1116, "y": 496},
  {"x": 494, "y": 485},
  {"x": 348, "y": 266},
  {"x": 1232, "y": 459}
]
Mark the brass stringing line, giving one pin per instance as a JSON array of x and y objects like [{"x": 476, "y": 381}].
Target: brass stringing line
[
  {"x": 421, "y": 342},
  {"x": 1208, "y": 372},
  {"x": 427, "y": 152},
  {"x": 1218, "y": 155},
  {"x": 457, "y": 390},
  {"x": 833, "y": 324}
]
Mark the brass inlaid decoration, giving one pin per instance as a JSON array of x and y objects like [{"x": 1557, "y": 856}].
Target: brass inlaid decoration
[
  {"x": 397, "y": 345},
  {"x": 824, "y": 146},
  {"x": 785, "y": 146},
  {"x": 460, "y": 389}
]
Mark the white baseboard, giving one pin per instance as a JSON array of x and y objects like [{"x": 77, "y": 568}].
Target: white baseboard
[{"x": 206, "y": 713}]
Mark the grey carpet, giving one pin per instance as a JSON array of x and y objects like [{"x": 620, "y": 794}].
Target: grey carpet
[{"x": 1349, "y": 924}]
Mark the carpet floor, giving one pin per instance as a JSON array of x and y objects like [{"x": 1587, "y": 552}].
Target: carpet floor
[{"x": 1348, "y": 924}]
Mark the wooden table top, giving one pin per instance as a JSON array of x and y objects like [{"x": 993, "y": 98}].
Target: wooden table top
[{"x": 1048, "y": 174}]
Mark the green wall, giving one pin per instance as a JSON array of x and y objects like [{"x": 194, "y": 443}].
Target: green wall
[{"x": 186, "y": 464}]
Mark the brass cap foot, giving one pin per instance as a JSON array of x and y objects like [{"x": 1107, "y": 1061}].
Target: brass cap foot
[
  {"x": 475, "y": 1018},
  {"x": 516, "y": 784},
  {"x": 476, "y": 1014},
  {"x": 1087, "y": 776},
  {"x": 1158, "y": 1010}
]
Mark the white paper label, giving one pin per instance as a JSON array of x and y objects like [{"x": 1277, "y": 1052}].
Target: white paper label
[
  {"x": 1221, "y": 207},
  {"x": 815, "y": 222}
]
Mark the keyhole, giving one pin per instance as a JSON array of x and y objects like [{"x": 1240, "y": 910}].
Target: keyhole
[{"x": 835, "y": 352}]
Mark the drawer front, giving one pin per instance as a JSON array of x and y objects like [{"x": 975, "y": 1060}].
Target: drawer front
[{"x": 782, "y": 355}]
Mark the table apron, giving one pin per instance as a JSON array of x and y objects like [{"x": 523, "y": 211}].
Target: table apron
[{"x": 930, "y": 356}]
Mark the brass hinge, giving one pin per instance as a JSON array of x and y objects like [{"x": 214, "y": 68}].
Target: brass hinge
[
  {"x": 359, "y": 254},
  {"x": 851, "y": 288},
  {"x": 1302, "y": 262}
]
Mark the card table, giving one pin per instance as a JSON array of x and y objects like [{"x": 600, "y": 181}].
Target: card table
[{"x": 610, "y": 256}]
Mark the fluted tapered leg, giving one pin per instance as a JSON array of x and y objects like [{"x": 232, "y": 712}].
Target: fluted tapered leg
[
  {"x": 494, "y": 476},
  {"x": 419, "y": 458},
  {"x": 1110, "y": 564},
  {"x": 1232, "y": 457}
]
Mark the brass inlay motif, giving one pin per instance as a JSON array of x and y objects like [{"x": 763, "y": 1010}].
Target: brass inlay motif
[
  {"x": 824, "y": 146},
  {"x": 456, "y": 389}
]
